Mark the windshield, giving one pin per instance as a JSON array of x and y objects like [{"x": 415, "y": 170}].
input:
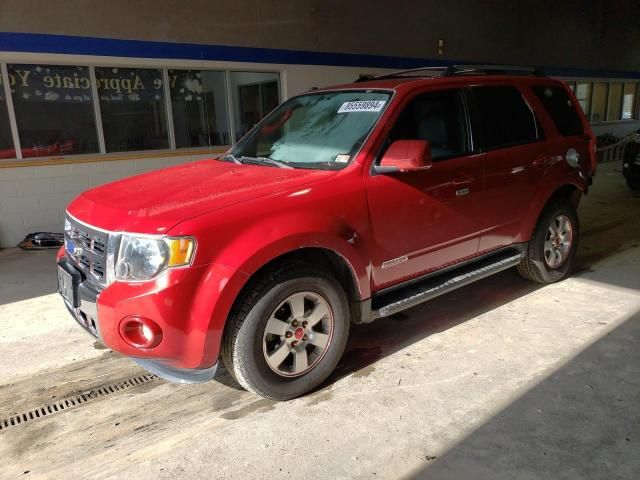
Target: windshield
[{"x": 318, "y": 130}]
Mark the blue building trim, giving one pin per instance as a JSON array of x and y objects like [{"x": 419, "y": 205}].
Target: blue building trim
[{"x": 77, "y": 45}]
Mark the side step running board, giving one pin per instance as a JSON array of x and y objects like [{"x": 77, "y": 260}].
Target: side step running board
[{"x": 439, "y": 284}]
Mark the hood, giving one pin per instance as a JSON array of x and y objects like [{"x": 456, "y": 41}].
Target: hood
[{"x": 156, "y": 201}]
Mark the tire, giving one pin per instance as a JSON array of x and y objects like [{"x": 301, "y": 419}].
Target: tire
[
  {"x": 247, "y": 344},
  {"x": 633, "y": 184},
  {"x": 541, "y": 263}
]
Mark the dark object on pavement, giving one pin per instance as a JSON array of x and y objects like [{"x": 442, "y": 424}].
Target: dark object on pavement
[
  {"x": 42, "y": 241},
  {"x": 631, "y": 165}
]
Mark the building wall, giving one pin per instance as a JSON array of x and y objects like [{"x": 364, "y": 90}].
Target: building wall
[
  {"x": 563, "y": 33},
  {"x": 589, "y": 36}
]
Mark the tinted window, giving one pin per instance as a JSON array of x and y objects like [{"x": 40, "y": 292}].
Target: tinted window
[
  {"x": 504, "y": 117},
  {"x": 437, "y": 118},
  {"x": 53, "y": 105},
  {"x": 199, "y": 108},
  {"x": 132, "y": 108},
  {"x": 558, "y": 105}
]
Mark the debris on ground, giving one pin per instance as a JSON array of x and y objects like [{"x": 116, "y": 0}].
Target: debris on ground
[{"x": 42, "y": 241}]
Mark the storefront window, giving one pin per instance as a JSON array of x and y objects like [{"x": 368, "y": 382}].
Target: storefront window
[
  {"x": 583, "y": 93},
  {"x": 6, "y": 141},
  {"x": 199, "y": 108},
  {"x": 628, "y": 99},
  {"x": 254, "y": 94},
  {"x": 615, "y": 101},
  {"x": 599, "y": 102},
  {"x": 53, "y": 106},
  {"x": 132, "y": 108}
]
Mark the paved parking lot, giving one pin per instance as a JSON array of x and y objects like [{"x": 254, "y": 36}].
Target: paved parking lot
[{"x": 501, "y": 379}]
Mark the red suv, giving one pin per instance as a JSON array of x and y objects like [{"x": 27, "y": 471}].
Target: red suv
[{"x": 345, "y": 204}]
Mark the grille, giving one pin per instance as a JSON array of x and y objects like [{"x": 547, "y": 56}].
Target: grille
[{"x": 87, "y": 247}]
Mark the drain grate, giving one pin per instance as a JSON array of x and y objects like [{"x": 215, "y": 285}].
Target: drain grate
[{"x": 75, "y": 400}]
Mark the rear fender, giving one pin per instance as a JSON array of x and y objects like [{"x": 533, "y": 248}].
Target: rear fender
[{"x": 559, "y": 181}]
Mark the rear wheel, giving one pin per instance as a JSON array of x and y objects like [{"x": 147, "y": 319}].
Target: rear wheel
[
  {"x": 287, "y": 333},
  {"x": 551, "y": 251}
]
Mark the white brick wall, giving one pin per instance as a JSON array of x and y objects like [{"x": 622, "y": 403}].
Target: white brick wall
[{"x": 35, "y": 198}]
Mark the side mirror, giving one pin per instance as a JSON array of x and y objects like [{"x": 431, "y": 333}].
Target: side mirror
[{"x": 405, "y": 156}]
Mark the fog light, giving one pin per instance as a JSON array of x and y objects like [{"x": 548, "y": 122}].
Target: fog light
[{"x": 140, "y": 332}]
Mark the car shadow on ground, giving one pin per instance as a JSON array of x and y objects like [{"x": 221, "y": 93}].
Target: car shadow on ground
[
  {"x": 579, "y": 422},
  {"x": 371, "y": 342},
  {"x": 26, "y": 274}
]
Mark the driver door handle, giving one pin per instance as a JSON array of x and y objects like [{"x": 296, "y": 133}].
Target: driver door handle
[{"x": 462, "y": 192}]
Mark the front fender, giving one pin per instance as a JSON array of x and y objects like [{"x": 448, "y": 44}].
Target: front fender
[
  {"x": 241, "y": 239},
  {"x": 219, "y": 292}
]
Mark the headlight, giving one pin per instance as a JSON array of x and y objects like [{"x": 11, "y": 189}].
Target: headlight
[{"x": 143, "y": 258}]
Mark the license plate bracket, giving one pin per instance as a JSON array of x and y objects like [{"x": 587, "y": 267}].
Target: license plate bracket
[{"x": 68, "y": 281}]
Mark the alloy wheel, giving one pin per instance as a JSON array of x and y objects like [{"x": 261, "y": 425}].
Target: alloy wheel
[
  {"x": 297, "y": 334},
  {"x": 558, "y": 241}
]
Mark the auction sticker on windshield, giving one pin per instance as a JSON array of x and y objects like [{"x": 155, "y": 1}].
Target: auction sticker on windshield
[{"x": 362, "y": 106}]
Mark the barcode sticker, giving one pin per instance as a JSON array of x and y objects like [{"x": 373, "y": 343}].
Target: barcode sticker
[{"x": 362, "y": 106}]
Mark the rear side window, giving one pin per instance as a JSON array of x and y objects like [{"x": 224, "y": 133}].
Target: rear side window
[
  {"x": 558, "y": 105},
  {"x": 504, "y": 117}
]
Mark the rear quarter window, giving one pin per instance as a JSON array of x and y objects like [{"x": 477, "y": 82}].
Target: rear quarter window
[
  {"x": 504, "y": 117},
  {"x": 560, "y": 108}
]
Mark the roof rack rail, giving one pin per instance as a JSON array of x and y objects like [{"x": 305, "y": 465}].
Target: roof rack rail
[
  {"x": 489, "y": 70},
  {"x": 454, "y": 70}
]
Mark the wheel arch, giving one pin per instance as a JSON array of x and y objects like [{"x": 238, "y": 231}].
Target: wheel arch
[
  {"x": 318, "y": 256},
  {"x": 571, "y": 192}
]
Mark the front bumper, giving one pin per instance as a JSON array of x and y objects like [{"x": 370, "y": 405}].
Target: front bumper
[{"x": 184, "y": 354}]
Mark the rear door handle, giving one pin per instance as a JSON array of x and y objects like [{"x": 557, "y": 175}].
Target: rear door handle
[
  {"x": 463, "y": 181},
  {"x": 462, "y": 192}
]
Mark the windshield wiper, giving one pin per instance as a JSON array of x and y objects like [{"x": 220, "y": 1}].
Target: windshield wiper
[
  {"x": 264, "y": 161},
  {"x": 231, "y": 157}
]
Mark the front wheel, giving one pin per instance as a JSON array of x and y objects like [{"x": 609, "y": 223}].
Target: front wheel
[
  {"x": 287, "y": 333},
  {"x": 551, "y": 251}
]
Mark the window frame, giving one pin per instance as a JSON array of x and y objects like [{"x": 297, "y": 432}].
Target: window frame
[{"x": 477, "y": 124}]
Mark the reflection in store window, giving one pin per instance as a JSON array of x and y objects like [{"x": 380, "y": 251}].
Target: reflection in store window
[
  {"x": 255, "y": 94},
  {"x": 615, "y": 101},
  {"x": 53, "y": 106},
  {"x": 628, "y": 100},
  {"x": 132, "y": 108},
  {"x": 599, "y": 102},
  {"x": 199, "y": 108},
  {"x": 6, "y": 141},
  {"x": 583, "y": 92}
]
